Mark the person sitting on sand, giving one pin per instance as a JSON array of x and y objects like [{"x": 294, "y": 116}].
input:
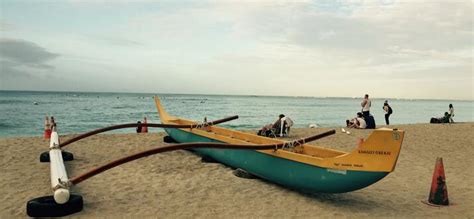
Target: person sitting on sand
[
  {"x": 280, "y": 125},
  {"x": 289, "y": 122},
  {"x": 351, "y": 122},
  {"x": 444, "y": 119},
  {"x": 266, "y": 131},
  {"x": 279, "y": 128},
  {"x": 358, "y": 123}
]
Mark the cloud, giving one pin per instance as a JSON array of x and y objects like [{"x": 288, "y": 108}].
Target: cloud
[
  {"x": 5, "y": 26},
  {"x": 10, "y": 69},
  {"x": 319, "y": 47},
  {"x": 120, "y": 42},
  {"x": 111, "y": 40},
  {"x": 364, "y": 38},
  {"x": 317, "y": 44},
  {"x": 24, "y": 52},
  {"x": 19, "y": 57}
]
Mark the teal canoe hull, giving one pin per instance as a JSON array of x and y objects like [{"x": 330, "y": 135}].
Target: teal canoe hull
[{"x": 288, "y": 173}]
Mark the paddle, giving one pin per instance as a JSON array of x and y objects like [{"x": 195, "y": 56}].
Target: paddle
[
  {"x": 157, "y": 150},
  {"x": 133, "y": 125}
]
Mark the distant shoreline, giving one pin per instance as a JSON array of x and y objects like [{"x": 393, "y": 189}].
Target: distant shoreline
[{"x": 236, "y": 95}]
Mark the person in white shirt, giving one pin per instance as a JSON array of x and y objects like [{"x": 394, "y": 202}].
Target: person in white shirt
[
  {"x": 359, "y": 122},
  {"x": 289, "y": 122},
  {"x": 366, "y": 104},
  {"x": 280, "y": 125}
]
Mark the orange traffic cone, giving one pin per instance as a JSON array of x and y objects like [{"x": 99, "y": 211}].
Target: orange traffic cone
[
  {"x": 144, "y": 126},
  {"x": 47, "y": 128},
  {"x": 439, "y": 190}
]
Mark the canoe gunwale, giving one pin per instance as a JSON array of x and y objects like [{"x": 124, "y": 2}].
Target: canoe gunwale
[{"x": 372, "y": 156}]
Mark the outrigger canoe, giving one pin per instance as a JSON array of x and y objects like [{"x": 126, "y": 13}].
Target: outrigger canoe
[{"x": 308, "y": 168}]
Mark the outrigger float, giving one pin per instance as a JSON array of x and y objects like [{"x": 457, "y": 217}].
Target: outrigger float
[{"x": 290, "y": 163}]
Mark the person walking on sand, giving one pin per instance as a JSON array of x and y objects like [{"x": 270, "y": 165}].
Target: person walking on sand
[
  {"x": 451, "y": 113},
  {"x": 388, "y": 112},
  {"x": 366, "y": 103}
]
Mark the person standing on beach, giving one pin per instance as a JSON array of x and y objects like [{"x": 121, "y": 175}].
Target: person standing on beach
[
  {"x": 47, "y": 128},
  {"x": 388, "y": 111},
  {"x": 52, "y": 123},
  {"x": 366, "y": 103},
  {"x": 144, "y": 126},
  {"x": 451, "y": 113}
]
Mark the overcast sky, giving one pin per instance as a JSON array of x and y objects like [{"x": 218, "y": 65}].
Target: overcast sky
[{"x": 397, "y": 49}]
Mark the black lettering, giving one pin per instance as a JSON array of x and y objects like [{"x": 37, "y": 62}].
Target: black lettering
[{"x": 374, "y": 152}]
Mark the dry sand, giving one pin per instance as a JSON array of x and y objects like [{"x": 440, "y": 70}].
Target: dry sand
[{"x": 178, "y": 185}]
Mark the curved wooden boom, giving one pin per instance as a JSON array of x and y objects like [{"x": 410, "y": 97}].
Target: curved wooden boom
[
  {"x": 149, "y": 152},
  {"x": 155, "y": 125}
]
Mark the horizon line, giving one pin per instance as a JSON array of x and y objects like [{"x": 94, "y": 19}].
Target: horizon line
[{"x": 255, "y": 95}]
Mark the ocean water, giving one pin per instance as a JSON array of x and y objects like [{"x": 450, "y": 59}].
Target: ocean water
[{"x": 77, "y": 112}]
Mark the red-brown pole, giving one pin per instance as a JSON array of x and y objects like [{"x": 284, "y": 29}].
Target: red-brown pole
[
  {"x": 149, "y": 152},
  {"x": 133, "y": 125}
]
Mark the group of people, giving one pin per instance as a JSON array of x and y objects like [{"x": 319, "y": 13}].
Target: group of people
[
  {"x": 49, "y": 126},
  {"x": 358, "y": 122},
  {"x": 142, "y": 127},
  {"x": 281, "y": 127},
  {"x": 365, "y": 120},
  {"x": 447, "y": 118}
]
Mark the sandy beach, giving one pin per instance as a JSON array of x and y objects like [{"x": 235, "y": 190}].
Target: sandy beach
[{"x": 178, "y": 185}]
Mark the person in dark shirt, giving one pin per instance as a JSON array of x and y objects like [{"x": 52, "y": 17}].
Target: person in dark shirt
[
  {"x": 139, "y": 127},
  {"x": 388, "y": 112}
]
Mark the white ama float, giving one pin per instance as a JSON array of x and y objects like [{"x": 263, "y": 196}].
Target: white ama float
[
  {"x": 62, "y": 202},
  {"x": 59, "y": 180}
]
